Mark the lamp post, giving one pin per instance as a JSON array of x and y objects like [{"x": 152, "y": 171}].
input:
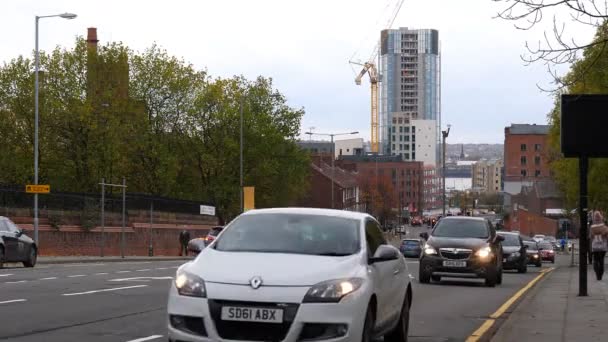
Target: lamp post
[
  {"x": 444, "y": 134},
  {"x": 333, "y": 157},
  {"x": 37, "y": 69}
]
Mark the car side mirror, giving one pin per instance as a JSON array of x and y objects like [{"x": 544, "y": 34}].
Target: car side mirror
[
  {"x": 526, "y": 246},
  {"x": 385, "y": 253},
  {"x": 424, "y": 235},
  {"x": 19, "y": 233}
]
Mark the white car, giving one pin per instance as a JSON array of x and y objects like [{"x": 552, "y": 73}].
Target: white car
[
  {"x": 538, "y": 238},
  {"x": 293, "y": 274}
]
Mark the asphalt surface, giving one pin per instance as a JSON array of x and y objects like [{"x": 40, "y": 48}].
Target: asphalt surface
[{"x": 63, "y": 302}]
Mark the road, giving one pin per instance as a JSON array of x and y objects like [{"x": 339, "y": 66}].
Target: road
[{"x": 126, "y": 301}]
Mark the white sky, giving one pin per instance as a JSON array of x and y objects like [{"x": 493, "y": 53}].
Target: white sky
[{"x": 305, "y": 46}]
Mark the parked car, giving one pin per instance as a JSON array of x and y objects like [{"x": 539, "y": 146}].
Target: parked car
[
  {"x": 514, "y": 253},
  {"x": 293, "y": 274},
  {"x": 533, "y": 253},
  {"x": 462, "y": 246},
  {"x": 546, "y": 251},
  {"x": 411, "y": 248},
  {"x": 538, "y": 238},
  {"x": 195, "y": 246},
  {"x": 15, "y": 246},
  {"x": 213, "y": 233}
]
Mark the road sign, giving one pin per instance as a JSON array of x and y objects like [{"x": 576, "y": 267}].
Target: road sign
[
  {"x": 207, "y": 210},
  {"x": 37, "y": 189},
  {"x": 249, "y": 198}
]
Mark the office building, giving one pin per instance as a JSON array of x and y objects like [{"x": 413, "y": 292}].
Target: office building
[{"x": 487, "y": 176}]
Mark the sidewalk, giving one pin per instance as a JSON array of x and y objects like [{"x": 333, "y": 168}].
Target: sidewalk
[
  {"x": 97, "y": 259},
  {"x": 552, "y": 311}
]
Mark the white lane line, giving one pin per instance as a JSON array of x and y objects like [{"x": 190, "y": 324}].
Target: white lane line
[
  {"x": 123, "y": 272},
  {"x": 149, "y": 338},
  {"x": 77, "y": 276},
  {"x": 49, "y": 278},
  {"x": 103, "y": 290},
  {"x": 13, "y": 301},
  {"x": 102, "y": 273},
  {"x": 16, "y": 282},
  {"x": 6, "y": 275},
  {"x": 143, "y": 270},
  {"x": 162, "y": 268},
  {"x": 83, "y": 265},
  {"x": 146, "y": 279}
]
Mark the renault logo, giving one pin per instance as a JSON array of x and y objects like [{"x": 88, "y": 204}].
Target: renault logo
[{"x": 255, "y": 282}]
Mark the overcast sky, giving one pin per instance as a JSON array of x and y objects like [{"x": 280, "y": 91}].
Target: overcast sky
[{"x": 305, "y": 47}]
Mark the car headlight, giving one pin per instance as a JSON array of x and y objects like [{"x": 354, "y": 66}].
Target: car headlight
[
  {"x": 484, "y": 252},
  {"x": 429, "y": 250},
  {"x": 332, "y": 291},
  {"x": 188, "y": 284},
  {"x": 535, "y": 256}
]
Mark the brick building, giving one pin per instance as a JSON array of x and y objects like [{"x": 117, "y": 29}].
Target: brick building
[
  {"x": 346, "y": 189},
  {"x": 487, "y": 176},
  {"x": 402, "y": 179},
  {"x": 525, "y": 156},
  {"x": 534, "y": 208}
]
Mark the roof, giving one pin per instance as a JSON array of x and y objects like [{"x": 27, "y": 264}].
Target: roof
[
  {"x": 463, "y": 218},
  {"x": 310, "y": 211},
  {"x": 344, "y": 179},
  {"x": 528, "y": 129}
]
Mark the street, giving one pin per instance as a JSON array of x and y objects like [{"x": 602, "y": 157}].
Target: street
[{"x": 126, "y": 301}]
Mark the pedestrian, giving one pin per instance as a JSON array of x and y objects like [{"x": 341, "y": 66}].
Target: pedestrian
[
  {"x": 184, "y": 238},
  {"x": 599, "y": 243},
  {"x": 563, "y": 244}
]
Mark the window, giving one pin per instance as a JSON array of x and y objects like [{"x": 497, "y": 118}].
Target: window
[
  {"x": 373, "y": 237},
  {"x": 537, "y": 147},
  {"x": 400, "y": 137},
  {"x": 537, "y": 173},
  {"x": 413, "y": 138},
  {"x": 400, "y": 129},
  {"x": 393, "y": 129},
  {"x": 413, "y": 147},
  {"x": 400, "y": 146},
  {"x": 394, "y": 147},
  {"x": 406, "y": 138},
  {"x": 413, "y": 155},
  {"x": 407, "y": 157},
  {"x": 340, "y": 151},
  {"x": 413, "y": 128},
  {"x": 537, "y": 160},
  {"x": 524, "y": 173},
  {"x": 348, "y": 150},
  {"x": 523, "y": 160},
  {"x": 394, "y": 139},
  {"x": 406, "y": 129},
  {"x": 3, "y": 227},
  {"x": 523, "y": 147}
]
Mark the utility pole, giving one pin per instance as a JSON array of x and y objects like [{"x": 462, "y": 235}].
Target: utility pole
[{"x": 444, "y": 134}]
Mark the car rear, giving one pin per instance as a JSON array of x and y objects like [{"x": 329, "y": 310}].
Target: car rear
[
  {"x": 213, "y": 233},
  {"x": 546, "y": 252},
  {"x": 411, "y": 248}
]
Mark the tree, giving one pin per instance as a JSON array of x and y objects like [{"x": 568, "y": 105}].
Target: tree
[
  {"x": 379, "y": 196},
  {"x": 557, "y": 48}
]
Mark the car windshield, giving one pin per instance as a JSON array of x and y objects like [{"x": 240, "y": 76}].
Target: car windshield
[
  {"x": 292, "y": 233},
  {"x": 410, "y": 243},
  {"x": 461, "y": 228},
  {"x": 545, "y": 246},
  {"x": 510, "y": 240}
]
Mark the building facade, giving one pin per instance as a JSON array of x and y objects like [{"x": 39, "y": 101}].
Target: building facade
[
  {"x": 349, "y": 147},
  {"x": 525, "y": 157},
  {"x": 410, "y": 67},
  {"x": 413, "y": 139},
  {"x": 346, "y": 189},
  {"x": 486, "y": 176}
]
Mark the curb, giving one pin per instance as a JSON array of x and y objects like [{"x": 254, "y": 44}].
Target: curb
[{"x": 109, "y": 259}]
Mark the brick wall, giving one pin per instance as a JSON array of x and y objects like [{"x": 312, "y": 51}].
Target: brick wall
[{"x": 530, "y": 224}]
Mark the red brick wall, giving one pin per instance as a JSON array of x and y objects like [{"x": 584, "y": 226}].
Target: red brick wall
[
  {"x": 513, "y": 156},
  {"x": 530, "y": 224}
]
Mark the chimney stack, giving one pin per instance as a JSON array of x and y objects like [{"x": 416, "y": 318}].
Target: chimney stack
[{"x": 92, "y": 37}]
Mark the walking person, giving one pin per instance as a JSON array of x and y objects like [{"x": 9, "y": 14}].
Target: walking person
[
  {"x": 184, "y": 238},
  {"x": 599, "y": 243}
]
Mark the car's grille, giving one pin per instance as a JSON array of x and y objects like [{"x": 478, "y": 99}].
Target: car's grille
[
  {"x": 250, "y": 331},
  {"x": 506, "y": 255},
  {"x": 455, "y": 253}
]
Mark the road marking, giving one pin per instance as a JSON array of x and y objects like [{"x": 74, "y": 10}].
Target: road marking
[
  {"x": 103, "y": 290},
  {"x": 143, "y": 270},
  {"x": 141, "y": 279},
  {"x": 6, "y": 275},
  {"x": 123, "y": 272},
  {"x": 162, "y": 268},
  {"x": 77, "y": 276},
  {"x": 102, "y": 273},
  {"x": 16, "y": 282},
  {"x": 149, "y": 338},
  {"x": 487, "y": 324},
  {"x": 13, "y": 301},
  {"x": 83, "y": 265},
  {"x": 49, "y": 278}
]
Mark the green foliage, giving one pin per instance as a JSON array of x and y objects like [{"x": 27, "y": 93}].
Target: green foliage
[
  {"x": 588, "y": 75},
  {"x": 170, "y": 129}
]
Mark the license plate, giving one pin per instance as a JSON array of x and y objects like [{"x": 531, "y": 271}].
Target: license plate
[
  {"x": 454, "y": 263},
  {"x": 504, "y": 260},
  {"x": 247, "y": 314}
]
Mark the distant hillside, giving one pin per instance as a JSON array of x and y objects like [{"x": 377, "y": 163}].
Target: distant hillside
[{"x": 476, "y": 151}]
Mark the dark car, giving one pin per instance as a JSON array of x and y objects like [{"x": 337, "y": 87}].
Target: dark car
[
  {"x": 546, "y": 251},
  {"x": 514, "y": 253},
  {"x": 532, "y": 253},
  {"x": 15, "y": 246},
  {"x": 213, "y": 233},
  {"x": 464, "y": 247},
  {"x": 195, "y": 246},
  {"x": 411, "y": 248}
]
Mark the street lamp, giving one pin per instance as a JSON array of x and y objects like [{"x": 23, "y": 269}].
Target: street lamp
[
  {"x": 241, "y": 105},
  {"x": 68, "y": 16},
  {"x": 333, "y": 157},
  {"x": 444, "y": 134}
]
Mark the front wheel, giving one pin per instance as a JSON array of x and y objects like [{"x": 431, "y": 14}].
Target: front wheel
[
  {"x": 31, "y": 259},
  {"x": 1, "y": 257},
  {"x": 424, "y": 277},
  {"x": 368, "y": 326},
  {"x": 399, "y": 334},
  {"x": 491, "y": 278},
  {"x": 522, "y": 268}
]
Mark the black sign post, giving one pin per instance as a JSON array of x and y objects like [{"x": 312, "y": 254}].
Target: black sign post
[{"x": 584, "y": 119}]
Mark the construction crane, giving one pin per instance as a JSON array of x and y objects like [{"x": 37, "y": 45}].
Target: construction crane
[{"x": 369, "y": 68}]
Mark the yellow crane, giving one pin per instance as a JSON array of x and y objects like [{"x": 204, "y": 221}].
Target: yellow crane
[{"x": 369, "y": 68}]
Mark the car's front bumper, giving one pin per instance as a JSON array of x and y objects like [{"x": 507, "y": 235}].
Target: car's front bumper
[
  {"x": 349, "y": 312},
  {"x": 475, "y": 267},
  {"x": 533, "y": 259},
  {"x": 511, "y": 263}
]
